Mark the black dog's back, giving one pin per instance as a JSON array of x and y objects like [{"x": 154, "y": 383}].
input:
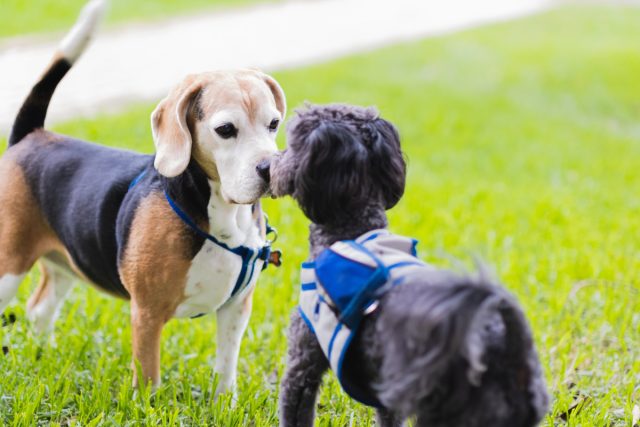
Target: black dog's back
[{"x": 457, "y": 351}]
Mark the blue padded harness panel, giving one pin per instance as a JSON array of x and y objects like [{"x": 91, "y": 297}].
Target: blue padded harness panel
[{"x": 339, "y": 287}]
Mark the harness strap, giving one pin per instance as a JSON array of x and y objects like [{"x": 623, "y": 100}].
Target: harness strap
[
  {"x": 137, "y": 179},
  {"x": 248, "y": 255}
]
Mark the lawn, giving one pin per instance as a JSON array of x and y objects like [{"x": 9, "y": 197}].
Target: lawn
[
  {"x": 31, "y": 16},
  {"x": 523, "y": 144}
]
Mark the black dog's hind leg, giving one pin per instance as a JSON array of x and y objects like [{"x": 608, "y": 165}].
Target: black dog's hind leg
[
  {"x": 306, "y": 364},
  {"x": 388, "y": 418}
]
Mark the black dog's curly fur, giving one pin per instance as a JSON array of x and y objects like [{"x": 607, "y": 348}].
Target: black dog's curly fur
[
  {"x": 351, "y": 160},
  {"x": 452, "y": 350}
]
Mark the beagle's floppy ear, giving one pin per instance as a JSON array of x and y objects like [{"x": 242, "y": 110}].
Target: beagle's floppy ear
[
  {"x": 278, "y": 93},
  {"x": 170, "y": 128}
]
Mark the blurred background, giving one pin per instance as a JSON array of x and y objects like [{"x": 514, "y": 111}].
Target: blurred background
[{"x": 520, "y": 121}]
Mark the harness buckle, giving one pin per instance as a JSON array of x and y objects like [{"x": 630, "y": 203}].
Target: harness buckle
[{"x": 371, "y": 308}]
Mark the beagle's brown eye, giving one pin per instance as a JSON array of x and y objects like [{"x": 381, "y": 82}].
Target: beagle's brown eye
[
  {"x": 227, "y": 131},
  {"x": 274, "y": 124}
]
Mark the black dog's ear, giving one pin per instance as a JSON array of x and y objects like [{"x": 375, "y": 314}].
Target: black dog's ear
[
  {"x": 387, "y": 162},
  {"x": 332, "y": 179}
]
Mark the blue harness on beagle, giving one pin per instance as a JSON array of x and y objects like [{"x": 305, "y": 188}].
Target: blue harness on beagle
[
  {"x": 343, "y": 285},
  {"x": 249, "y": 256}
]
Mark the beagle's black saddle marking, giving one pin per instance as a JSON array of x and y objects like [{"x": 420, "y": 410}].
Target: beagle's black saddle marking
[{"x": 83, "y": 191}]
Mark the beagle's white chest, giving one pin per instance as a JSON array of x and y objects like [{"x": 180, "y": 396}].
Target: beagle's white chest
[{"x": 215, "y": 271}]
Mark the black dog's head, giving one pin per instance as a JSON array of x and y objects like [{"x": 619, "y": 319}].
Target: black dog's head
[{"x": 340, "y": 160}]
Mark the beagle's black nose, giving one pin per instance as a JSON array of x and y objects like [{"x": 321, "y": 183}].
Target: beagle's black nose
[{"x": 263, "y": 170}]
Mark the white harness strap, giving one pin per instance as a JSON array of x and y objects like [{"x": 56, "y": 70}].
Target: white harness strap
[{"x": 322, "y": 320}]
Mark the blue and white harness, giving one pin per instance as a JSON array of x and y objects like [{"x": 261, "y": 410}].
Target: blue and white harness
[
  {"x": 343, "y": 285},
  {"x": 249, "y": 256}
]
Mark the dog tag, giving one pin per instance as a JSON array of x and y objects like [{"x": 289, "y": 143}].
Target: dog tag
[{"x": 275, "y": 257}]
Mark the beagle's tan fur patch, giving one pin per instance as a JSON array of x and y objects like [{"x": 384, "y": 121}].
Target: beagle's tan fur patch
[
  {"x": 157, "y": 256},
  {"x": 154, "y": 271},
  {"x": 24, "y": 233}
]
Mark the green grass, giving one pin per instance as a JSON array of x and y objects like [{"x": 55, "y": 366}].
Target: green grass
[
  {"x": 523, "y": 144},
  {"x": 31, "y": 16}
]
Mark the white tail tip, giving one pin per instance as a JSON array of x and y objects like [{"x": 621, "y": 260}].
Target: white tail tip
[{"x": 80, "y": 34}]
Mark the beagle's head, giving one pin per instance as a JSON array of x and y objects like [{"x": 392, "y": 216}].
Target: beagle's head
[{"x": 227, "y": 122}]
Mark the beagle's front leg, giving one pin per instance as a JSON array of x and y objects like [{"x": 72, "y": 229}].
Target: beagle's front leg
[
  {"x": 232, "y": 318},
  {"x": 146, "y": 330}
]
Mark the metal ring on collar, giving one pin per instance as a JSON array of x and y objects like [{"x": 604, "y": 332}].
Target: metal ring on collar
[
  {"x": 270, "y": 230},
  {"x": 275, "y": 235}
]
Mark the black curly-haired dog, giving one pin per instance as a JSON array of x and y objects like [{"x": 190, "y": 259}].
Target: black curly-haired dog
[{"x": 450, "y": 349}]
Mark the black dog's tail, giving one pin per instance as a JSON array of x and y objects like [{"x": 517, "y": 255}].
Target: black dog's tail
[
  {"x": 457, "y": 332},
  {"x": 34, "y": 109}
]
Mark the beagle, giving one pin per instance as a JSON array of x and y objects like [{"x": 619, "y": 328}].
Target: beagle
[{"x": 179, "y": 233}]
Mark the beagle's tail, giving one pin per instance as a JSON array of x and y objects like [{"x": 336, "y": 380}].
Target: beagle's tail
[{"x": 34, "y": 109}]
